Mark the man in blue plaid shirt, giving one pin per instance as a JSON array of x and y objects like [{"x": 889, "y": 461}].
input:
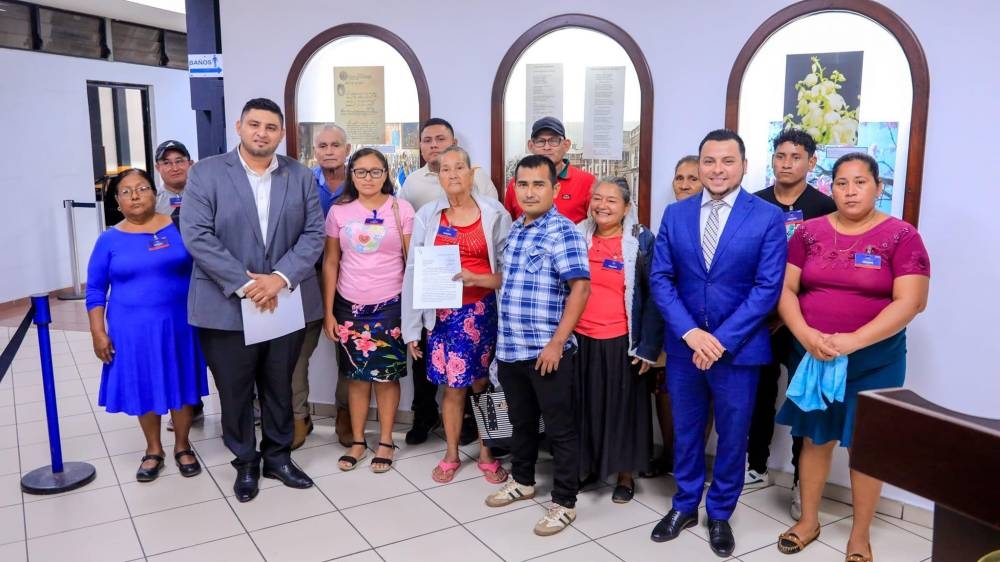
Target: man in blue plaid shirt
[{"x": 546, "y": 282}]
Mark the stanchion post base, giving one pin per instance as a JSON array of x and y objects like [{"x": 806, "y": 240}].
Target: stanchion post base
[
  {"x": 42, "y": 481},
  {"x": 71, "y": 296}
]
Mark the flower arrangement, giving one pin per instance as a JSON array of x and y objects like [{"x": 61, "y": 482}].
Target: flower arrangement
[{"x": 822, "y": 112}]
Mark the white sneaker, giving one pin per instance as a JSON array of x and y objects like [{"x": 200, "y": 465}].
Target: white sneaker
[
  {"x": 510, "y": 493},
  {"x": 755, "y": 479},
  {"x": 795, "y": 510},
  {"x": 557, "y": 519}
]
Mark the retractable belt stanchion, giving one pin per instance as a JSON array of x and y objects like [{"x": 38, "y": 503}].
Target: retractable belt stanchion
[
  {"x": 59, "y": 476},
  {"x": 75, "y": 294}
]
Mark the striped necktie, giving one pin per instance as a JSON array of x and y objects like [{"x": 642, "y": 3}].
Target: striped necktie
[{"x": 710, "y": 240}]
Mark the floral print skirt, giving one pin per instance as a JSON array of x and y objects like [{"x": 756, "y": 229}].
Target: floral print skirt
[
  {"x": 371, "y": 343},
  {"x": 462, "y": 343}
]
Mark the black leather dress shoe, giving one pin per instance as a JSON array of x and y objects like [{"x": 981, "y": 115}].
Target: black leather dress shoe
[
  {"x": 247, "y": 480},
  {"x": 720, "y": 536},
  {"x": 672, "y": 524},
  {"x": 289, "y": 474}
]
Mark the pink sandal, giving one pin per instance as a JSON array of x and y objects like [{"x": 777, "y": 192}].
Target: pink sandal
[
  {"x": 493, "y": 472},
  {"x": 445, "y": 471}
]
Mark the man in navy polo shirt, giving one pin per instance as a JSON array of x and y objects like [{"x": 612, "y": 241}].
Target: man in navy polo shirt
[{"x": 546, "y": 282}]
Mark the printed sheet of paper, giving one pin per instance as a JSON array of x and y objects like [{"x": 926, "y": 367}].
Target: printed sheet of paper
[
  {"x": 434, "y": 267},
  {"x": 604, "y": 113},
  {"x": 286, "y": 318},
  {"x": 544, "y": 92}
]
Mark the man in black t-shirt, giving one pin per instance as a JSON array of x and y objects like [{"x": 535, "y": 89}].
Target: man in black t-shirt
[{"x": 794, "y": 157}]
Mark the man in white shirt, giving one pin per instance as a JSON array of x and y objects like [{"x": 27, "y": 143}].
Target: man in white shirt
[{"x": 420, "y": 188}]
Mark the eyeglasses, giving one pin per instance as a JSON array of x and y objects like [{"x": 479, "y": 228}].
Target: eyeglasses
[
  {"x": 127, "y": 192},
  {"x": 173, "y": 163},
  {"x": 551, "y": 141},
  {"x": 362, "y": 173}
]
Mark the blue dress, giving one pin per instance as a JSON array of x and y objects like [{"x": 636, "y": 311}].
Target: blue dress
[{"x": 158, "y": 364}]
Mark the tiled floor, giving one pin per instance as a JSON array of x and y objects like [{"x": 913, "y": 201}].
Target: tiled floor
[{"x": 358, "y": 516}]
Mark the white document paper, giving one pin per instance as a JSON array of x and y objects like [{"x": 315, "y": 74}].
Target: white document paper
[
  {"x": 604, "y": 113},
  {"x": 286, "y": 318},
  {"x": 544, "y": 92},
  {"x": 433, "y": 287}
]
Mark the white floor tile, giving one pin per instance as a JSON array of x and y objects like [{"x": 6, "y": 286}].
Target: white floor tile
[
  {"x": 168, "y": 492},
  {"x": 589, "y": 551},
  {"x": 71, "y": 406},
  {"x": 25, "y": 394},
  {"x": 466, "y": 500},
  {"x": 34, "y": 363},
  {"x": 131, "y": 440},
  {"x": 6, "y": 395},
  {"x": 82, "y": 448},
  {"x": 450, "y": 545},
  {"x": 74, "y": 511},
  {"x": 774, "y": 502},
  {"x": 751, "y": 528},
  {"x": 106, "y": 542},
  {"x": 597, "y": 516},
  {"x": 213, "y": 451},
  {"x": 7, "y": 416},
  {"x": 925, "y": 532},
  {"x": 14, "y": 552},
  {"x": 208, "y": 427},
  {"x": 10, "y": 489},
  {"x": 815, "y": 552},
  {"x": 27, "y": 377},
  {"x": 510, "y": 534},
  {"x": 234, "y": 549},
  {"x": 104, "y": 478},
  {"x": 8, "y": 436},
  {"x": 366, "y": 556},
  {"x": 320, "y": 460},
  {"x": 362, "y": 486},
  {"x": 70, "y": 426},
  {"x": 398, "y": 519},
  {"x": 186, "y": 526},
  {"x": 312, "y": 539},
  {"x": 10, "y": 461},
  {"x": 635, "y": 544},
  {"x": 11, "y": 524},
  {"x": 278, "y": 505},
  {"x": 114, "y": 422},
  {"x": 889, "y": 542},
  {"x": 418, "y": 469}
]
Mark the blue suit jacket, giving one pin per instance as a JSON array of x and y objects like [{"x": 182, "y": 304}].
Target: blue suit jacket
[{"x": 732, "y": 299}]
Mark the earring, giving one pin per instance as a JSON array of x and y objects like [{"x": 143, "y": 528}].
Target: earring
[{"x": 119, "y": 208}]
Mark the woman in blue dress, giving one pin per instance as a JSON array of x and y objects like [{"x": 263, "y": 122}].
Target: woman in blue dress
[{"x": 152, "y": 360}]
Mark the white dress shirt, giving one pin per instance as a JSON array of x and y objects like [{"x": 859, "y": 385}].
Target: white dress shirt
[
  {"x": 260, "y": 184},
  {"x": 706, "y": 209}
]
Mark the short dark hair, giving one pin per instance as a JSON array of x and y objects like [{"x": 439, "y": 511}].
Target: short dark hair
[
  {"x": 857, "y": 156},
  {"x": 113, "y": 185},
  {"x": 437, "y": 121},
  {"x": 263, "y": 104},
  {"x": 534, "y": 161},
  {"x": 350, "y": 190},
  {"x": 720, "y": 135},
  {"x": 797, "y": 137}
]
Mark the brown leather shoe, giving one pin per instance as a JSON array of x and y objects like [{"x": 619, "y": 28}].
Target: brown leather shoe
[
  {"x": 344, "y": 427},
  {"x": 303, "y": 428}
]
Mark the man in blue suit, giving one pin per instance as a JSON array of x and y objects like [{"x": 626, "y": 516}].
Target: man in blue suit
[{"x": 717, "y": 273}]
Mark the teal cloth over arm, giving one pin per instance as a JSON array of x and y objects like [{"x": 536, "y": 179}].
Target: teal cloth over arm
[{"x": 817, "y": 383}]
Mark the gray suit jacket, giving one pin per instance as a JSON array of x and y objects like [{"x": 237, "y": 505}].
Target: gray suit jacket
[{"x": 222, "y": 232}]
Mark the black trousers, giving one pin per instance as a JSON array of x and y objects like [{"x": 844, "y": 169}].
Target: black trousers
[
  {"x": 762, "y": 423},
  {"x": 237, "y": 369},
  {"x": 424, "y": 405},
  {"x": 529, "y": 395}
]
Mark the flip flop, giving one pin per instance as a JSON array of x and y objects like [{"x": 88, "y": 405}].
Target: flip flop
[
  {"x": 445, "y": 471},
  {"x": 493, "y": 472}
]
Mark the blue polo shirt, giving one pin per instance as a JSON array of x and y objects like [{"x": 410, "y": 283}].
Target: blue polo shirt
[
  {"x": 326, "y": 197},
  {"x": 539, "y": 261}
]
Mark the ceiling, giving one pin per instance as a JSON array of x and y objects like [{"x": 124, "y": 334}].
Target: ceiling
[{"x": 125, "y": 11}]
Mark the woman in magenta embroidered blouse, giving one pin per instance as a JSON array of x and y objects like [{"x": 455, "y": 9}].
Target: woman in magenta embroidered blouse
[{"x": 854, "y": 280}]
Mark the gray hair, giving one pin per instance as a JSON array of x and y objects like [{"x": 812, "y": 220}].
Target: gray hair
[
  {"x": 460, "y": 151},
  {"x": 622, "y": 185},
  {"x": 690, "y": 158},
  {"x": 329, "y": 127}
]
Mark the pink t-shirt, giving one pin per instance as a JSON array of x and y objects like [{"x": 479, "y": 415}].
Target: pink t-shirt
[
  {"x": 371, "y": 250},
  {"x": 846, "y": 285}
]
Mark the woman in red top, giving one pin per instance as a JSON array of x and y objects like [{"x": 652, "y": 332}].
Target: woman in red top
[
  {"x": 620, "y": 336},
  {"x": 855, "y": 279},
  {"x": 460, "y": 341}
]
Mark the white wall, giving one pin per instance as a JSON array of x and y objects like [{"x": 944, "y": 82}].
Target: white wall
[
  {"x": 690, "y": 48},
  {"x": 47, "y": 157}
]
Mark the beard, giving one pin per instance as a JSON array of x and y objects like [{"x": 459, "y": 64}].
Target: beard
[{"x": 259, "y": 152}]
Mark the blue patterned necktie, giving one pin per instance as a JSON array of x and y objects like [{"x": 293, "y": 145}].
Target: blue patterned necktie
[{"x": 710, "y": 240}]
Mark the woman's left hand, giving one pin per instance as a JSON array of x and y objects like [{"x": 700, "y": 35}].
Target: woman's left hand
[
  {"x": 845, "y": 344},
  {"x": 467, "y": 277},
  {"x": 645, "y": 367}
]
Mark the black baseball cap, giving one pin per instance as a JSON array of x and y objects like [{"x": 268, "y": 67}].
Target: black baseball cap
[
  {"x": 171, "y": 145},
  {"x": 550, "y": 123}
]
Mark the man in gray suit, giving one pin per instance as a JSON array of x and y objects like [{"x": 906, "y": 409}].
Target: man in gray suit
[{"x": 253, "y": 224}]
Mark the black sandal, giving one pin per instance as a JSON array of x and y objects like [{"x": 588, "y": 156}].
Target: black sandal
[
  {"x": 383, "y": 460},
  {"x": 623, "y": 493},
  {"x": 187, "y": 470},
  {"x": 352, "y": 461},
  {"x": 149, "y": 474}
]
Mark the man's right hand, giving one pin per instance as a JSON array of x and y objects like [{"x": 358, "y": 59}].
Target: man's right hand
[{"x": 705, "y": 346}]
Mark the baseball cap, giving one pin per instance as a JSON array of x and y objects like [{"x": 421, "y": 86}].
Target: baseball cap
[
  {"x": 550, "y": 123},
  {"x": 171, "y": 145}
]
